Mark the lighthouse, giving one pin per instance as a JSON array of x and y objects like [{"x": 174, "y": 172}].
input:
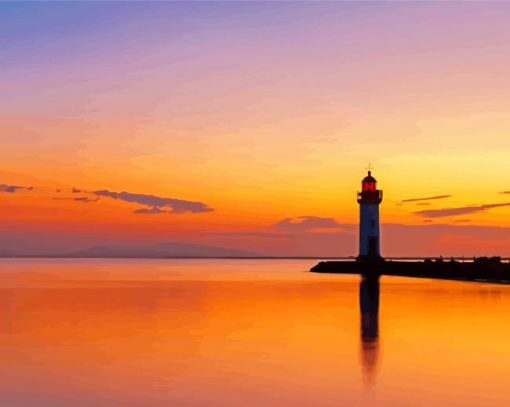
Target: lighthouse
[{"x": 369, "y": 200}]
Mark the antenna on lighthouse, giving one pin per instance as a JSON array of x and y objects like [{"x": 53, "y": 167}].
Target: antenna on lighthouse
[{"x": 369, "y": 168}]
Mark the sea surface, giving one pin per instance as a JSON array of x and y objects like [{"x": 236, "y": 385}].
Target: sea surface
[{"x": 107, "y": 333}]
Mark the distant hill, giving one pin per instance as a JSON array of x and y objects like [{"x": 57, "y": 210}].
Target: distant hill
[{"x": 163, "y": 250}]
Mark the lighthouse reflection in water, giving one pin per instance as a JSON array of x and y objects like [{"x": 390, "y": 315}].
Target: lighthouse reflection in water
[{"x": 369, "y": 313}]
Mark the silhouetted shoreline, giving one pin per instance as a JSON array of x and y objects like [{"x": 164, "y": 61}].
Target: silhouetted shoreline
[{"x": 482, "y": 269}]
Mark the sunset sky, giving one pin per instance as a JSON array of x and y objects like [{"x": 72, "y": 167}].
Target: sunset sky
[{"x": 250, "y": 125}]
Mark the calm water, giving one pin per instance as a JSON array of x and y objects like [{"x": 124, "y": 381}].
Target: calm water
[{"x": 147, "y": 333}]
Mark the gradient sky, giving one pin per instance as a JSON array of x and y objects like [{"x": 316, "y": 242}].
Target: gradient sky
[{"x": 250, "y": 125}]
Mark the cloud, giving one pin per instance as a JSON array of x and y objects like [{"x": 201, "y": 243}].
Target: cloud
[
  {"x": 438, "y": 213},
  {"x": 430, "y": 198},
  {"x": 304, "y": 223},
  {"x": 13, "y": 188},
  {"x": 150, "y": 211},
  {"x": 277, "y": 235},
  {"x": 423, "y": 204},
  {"x": 505, "y": 192},
  {"x": 152, "y": 204},
  {"x": 84, "y": 199},
  {"x": 152, "y": 201}
]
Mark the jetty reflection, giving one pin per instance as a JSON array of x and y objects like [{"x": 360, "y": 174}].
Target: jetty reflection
[{"x": 369, "y": 313}]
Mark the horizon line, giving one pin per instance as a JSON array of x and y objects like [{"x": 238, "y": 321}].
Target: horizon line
[{"x": 28, "y": 256}]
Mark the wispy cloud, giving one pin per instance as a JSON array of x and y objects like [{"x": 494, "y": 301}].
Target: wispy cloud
[
  {"x": 303, "y": 223},
  {"x": 13, "y": 188},
  {"x": 154, "y": 202},
  {"x": 463, "y": 210},
  {"x": 429, "y": 198},
  {"x": 505, "y": 192}
]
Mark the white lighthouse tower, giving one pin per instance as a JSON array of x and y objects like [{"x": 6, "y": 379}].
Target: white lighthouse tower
[{"x": 369, "y": 199}]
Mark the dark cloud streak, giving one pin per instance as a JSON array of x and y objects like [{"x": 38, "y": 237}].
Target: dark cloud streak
[
  {"x": 464, "y": 210},
  {"x": 430, "y": 198},
  {"x": 13, "y": 188}
]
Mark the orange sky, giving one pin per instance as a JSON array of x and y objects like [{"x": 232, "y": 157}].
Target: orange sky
[{"x": 260, "y": 112}]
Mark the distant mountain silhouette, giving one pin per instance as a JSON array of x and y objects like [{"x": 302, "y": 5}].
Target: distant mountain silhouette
[{"x": 162, "y": 250}]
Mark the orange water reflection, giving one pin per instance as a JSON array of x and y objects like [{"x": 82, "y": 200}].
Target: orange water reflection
[{"x": 198, "y": 333}]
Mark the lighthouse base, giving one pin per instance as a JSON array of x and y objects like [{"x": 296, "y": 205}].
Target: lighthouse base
[
  {"x": 373, "y": 259},
  {"x": 482, "y": 269}
]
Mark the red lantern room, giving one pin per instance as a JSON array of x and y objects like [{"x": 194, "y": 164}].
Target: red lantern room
[
  {"x": 368, "y": 183},
  {"x": 369, "y": 193}
]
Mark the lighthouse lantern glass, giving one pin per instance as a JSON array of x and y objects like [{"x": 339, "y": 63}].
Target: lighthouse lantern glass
[{"x": 368, "y": 186}]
